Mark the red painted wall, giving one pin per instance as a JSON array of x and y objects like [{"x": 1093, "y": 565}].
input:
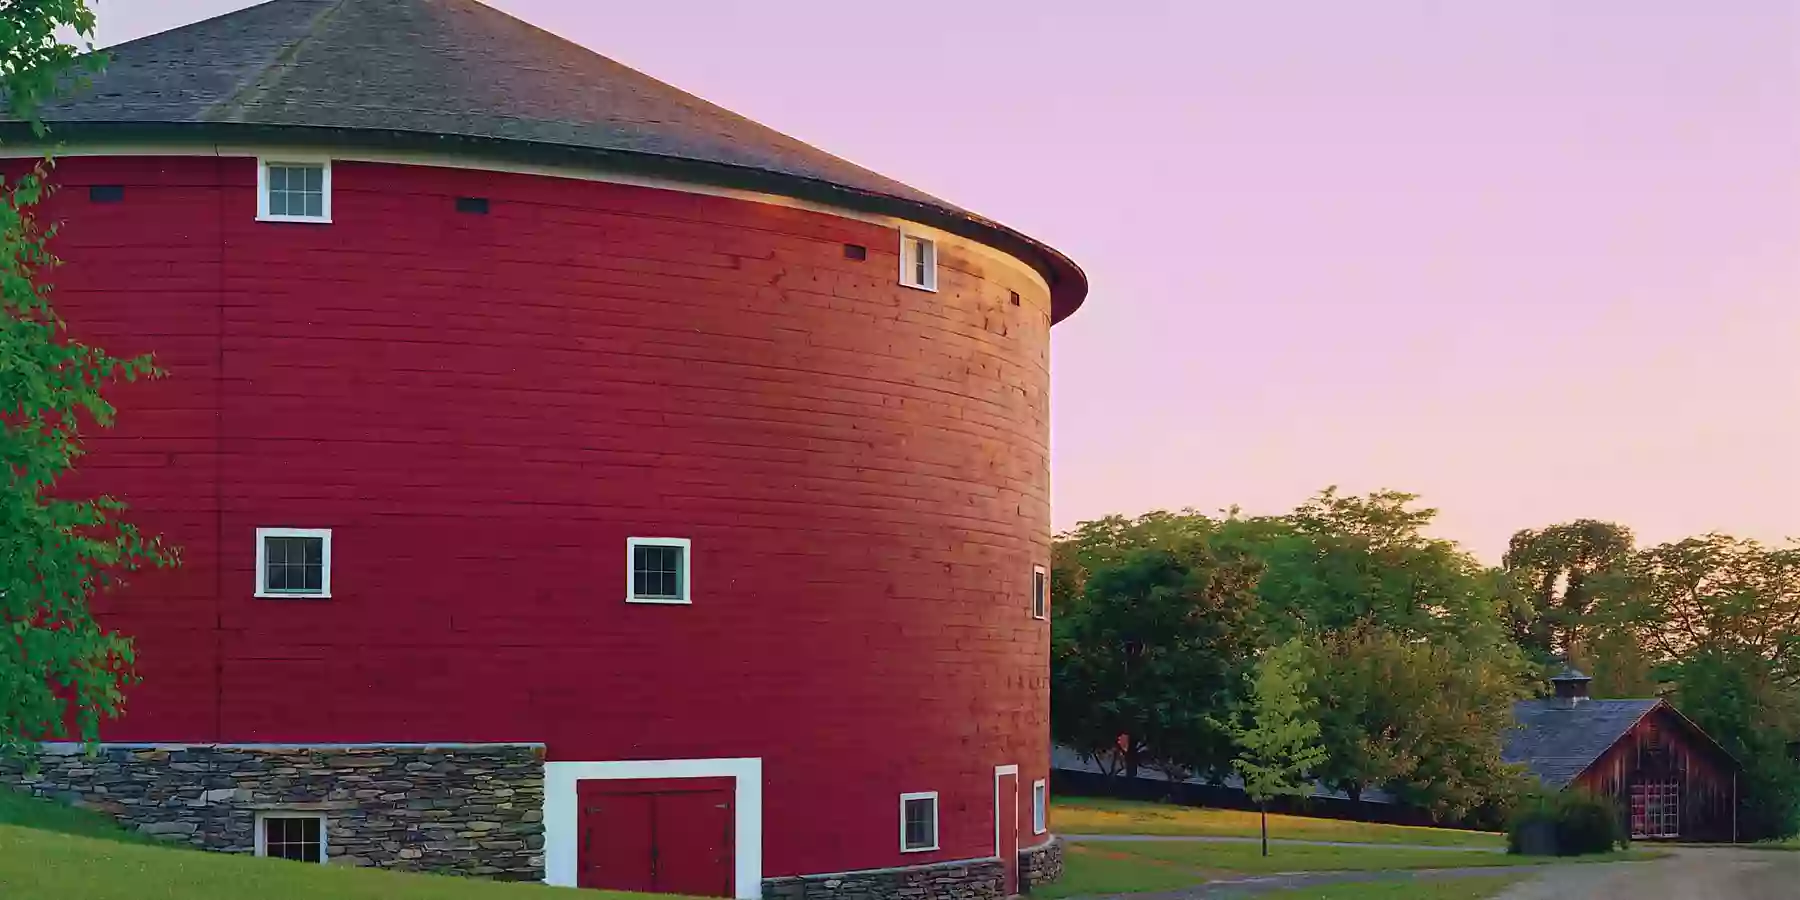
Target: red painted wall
[{"x": 484, "y": 408}]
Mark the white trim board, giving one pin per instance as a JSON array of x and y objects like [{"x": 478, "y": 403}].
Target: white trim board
[
  {"x": 1000, "y": 772},
  {"x": 33, "y": 150},
  {"x": 562, "y": 811}
]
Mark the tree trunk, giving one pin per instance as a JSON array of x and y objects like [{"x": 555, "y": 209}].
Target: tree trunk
[{"x": 1265, "y": 827}]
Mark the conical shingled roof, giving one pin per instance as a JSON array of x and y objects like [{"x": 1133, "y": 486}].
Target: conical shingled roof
[{"x": 452, "y": 75}]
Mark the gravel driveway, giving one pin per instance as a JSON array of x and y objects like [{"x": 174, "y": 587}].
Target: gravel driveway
[{"x": 1692, "y": 873}]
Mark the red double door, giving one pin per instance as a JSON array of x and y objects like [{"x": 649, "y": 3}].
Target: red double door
[{"x": 668, "y": 836}]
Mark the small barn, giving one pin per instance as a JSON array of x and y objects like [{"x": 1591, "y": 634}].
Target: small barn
[{"x": 1670, "y": 779}]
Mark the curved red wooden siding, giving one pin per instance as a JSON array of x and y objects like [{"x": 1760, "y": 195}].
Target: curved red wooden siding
[{"x": 484, "y": 407}]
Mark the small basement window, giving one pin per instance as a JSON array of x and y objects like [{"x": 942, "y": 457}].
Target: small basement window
[
  {"x": 293, "y": 191},
  {"x": 1040, "y": 807},
  {"x": 657, "y": 570},
  {"x": 918, "y": 262},
  {"x": 1040, "y": 593},
  {"x": 293, "y": 562},
  {"x": 918, "y": 822},
  {"x": 296, "y": 836}
]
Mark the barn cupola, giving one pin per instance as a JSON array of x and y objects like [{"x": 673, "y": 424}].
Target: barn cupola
[{"x": 1571, "y": 685}]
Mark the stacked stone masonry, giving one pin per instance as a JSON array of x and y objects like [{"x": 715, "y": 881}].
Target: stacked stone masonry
[
  {"x": 972, "y": 880},
  {"x": 1040, "y": 865},
  {"x": 454, "y": 810}
]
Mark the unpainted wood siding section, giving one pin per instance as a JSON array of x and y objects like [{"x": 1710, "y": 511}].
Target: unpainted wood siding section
[{"x": 1660, "y": 747}]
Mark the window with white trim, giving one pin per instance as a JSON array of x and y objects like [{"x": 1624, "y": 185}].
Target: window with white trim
[
  {"x": 656, "y": 570},
  {"x": 296, "y": 836},
  {"x": 292, "y": 191},
  {"x": 918, "y": 262},
  {"x": 1040, "y": 593},
  {"x": 293, "y": 562},
  {"x": 1040, "y": 807},
  {"x": 918, "y": 822}
]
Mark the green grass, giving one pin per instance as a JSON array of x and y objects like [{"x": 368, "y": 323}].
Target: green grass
[
  {"x": 1104, "y": 867},
  {"x": 1088, "y": 872},
  {"x": 29, "y": 812},
  {"x": 1084, "y": 815},
  {"x": 1247, "y": 859},
  {"x": 53, "y": 852},
  {"x": 1411, "y": 889}
]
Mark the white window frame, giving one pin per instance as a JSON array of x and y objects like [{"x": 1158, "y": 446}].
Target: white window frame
[
  {"x": 1040, "y": 610},
  {"x": 936, "y": 822},
  {"x": 686, "y": 546},
  {"x": 262, "y": 834},
  {"x": 1040, "y": 806},
  {"x": 908, "y": 263},
  {"x": 262, "y": 563},
  {"x": 262, "y": 188}
]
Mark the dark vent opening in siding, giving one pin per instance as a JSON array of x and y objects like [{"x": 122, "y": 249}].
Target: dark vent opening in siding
[
  {"x": 1015, "y": 298},
  {"x": 107, "y": 193},
  {"x": 855, "y": 251},
  {"x": 474, "y": 205}
]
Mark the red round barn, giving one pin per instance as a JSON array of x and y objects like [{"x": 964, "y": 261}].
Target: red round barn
[{"x": 574, "y": 479}]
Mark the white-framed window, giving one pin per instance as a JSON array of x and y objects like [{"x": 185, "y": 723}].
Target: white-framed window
[
  {"x": 1040, "y": 807},
  {"x": 656, "y": 570},
  {"x": 918, "y": 822},
  {"x": 293, "y": 190},
  {"x": 1040, "y": 593},
  {"x": 298, "y": 836},
  {"x": 293, "y": 562},
  {"x": 918, "y": 261}
]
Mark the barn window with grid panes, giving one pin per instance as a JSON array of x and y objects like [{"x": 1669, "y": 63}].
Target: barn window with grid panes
[
  {"x": 657, "y": 570},
  {"x": 294, "y": 191},
  {"x": 918, "y": 822},
  {"x": 293, "y": 562},
  {"x": 296, "y": 836}
]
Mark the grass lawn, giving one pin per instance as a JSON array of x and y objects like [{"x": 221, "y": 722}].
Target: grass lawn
[
  {"x": 52, "y": 852},
  {"x": 1087, "y": 872},
  {"x": 19, "y": 809},
  {"x": 1085, "y": 815},
  {"x": 1247, "y": 859},
  {"x": 1435, "y": 889}
]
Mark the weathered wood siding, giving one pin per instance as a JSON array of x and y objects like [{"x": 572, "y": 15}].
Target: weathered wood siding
[{"x": 1662, "y": 747}]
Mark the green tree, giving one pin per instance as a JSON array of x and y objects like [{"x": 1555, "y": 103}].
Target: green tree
[
  {"x": 1559, "y": 569},
  {"x": 1279, "y": 744},
  {"x": 1339, "y": 560},
  {"x": 60, "y": 672},
  {"x": 1424, "y": 720},
  {"x": 1150, "y": 654}
]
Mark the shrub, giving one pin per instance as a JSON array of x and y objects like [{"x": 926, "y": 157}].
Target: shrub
[{"x": 1571, "y": 823}]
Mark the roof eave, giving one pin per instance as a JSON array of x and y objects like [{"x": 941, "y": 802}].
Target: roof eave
[{"x": 1068, "y": 284}]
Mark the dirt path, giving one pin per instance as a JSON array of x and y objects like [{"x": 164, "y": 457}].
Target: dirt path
[{"x": 1692, "y": 873}]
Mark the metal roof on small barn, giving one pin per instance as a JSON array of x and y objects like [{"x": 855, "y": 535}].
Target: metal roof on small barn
[
  {"x": 1557, "y": 740},
  {"x": 449, "y": 74}
]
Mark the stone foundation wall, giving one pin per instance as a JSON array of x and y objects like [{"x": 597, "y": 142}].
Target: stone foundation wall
[
  {"x": 1040, "y": 865},
  {"x": 976, "y": 880},
  {"x": 467, "y": 810}
]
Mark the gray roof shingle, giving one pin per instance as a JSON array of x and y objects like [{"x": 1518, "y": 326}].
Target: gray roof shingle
[
  {"x": 461, "y": 69},
  {"x": 1558, "y": 741}
]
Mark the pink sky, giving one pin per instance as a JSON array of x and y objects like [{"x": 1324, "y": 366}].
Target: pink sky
[{"x": 1534, "y": 260}]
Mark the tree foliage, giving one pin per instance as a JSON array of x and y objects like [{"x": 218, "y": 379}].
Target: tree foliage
[
  {"x": 1423, "y": 720},
  {"x": 60, "y": 672},
  {"x": 1277, "y": 738},
  {"x": 1150, "y": 653},
  {"x": 1559, "y": 569}
]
